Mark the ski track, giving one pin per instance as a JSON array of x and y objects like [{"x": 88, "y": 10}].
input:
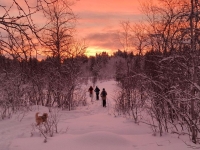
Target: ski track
[
  {"x": 13, "y": 128},
  {"x": 94, "y": 126}
]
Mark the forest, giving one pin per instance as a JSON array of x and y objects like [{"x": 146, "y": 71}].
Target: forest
[{"x": 158, "y": 69}]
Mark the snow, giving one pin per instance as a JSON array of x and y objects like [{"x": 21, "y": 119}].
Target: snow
[{"x": 90, "y": 127}]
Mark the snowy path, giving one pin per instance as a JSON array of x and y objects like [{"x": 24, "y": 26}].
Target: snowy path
[
  {"x": 13, "y": 128},
  {"x": 91, "y": 127}
]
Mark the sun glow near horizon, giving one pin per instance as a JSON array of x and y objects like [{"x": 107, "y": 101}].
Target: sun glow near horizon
[{"x": 92, "y": 51}]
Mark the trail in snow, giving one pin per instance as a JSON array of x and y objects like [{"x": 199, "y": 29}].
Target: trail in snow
[{"x": 91, "y": 127}]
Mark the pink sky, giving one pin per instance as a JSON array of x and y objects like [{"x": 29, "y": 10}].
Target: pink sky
[{"x": 99, "y": 21}]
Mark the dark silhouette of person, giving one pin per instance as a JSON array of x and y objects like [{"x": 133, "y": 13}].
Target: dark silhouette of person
[
  {"x": 97, "y": 90},
  {"x": 90, "y": 90},
  {"x": 103, "y": 95}
]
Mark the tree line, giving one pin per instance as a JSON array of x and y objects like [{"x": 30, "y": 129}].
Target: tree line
[{"x": 163, "y": 77}]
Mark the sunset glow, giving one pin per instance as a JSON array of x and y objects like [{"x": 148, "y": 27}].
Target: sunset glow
[
  {"x": 99, "y": 23},
  {"x": 92, "y": 51}
]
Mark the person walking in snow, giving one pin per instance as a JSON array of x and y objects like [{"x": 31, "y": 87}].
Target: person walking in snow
[
  {"x": 97, "y": 92},
  {"x": 103, "y": 96},
  {"x": 90, "y": 90}
]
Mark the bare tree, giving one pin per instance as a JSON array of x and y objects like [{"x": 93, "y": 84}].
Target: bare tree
[
  {"x": 174, "y": 60},
  {"x": 169, "y": 70},
  {"x": 17, "y": 19},
  {"x": 59, "y": 31}
]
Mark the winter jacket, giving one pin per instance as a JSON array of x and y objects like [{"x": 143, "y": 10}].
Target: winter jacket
[
  {"x": 90, "y": 90},
  {"x": 97, "y": 90},
  {"x": 103, "y": 95}
]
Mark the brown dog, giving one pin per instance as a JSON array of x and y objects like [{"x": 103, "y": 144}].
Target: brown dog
[{"x": 40, "y": 119}]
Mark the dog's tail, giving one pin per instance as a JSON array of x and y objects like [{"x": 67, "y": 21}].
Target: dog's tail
[{"x": 36, "y": 115}]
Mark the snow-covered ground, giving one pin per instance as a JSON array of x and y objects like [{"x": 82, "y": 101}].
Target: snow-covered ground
[{"x": 90, "y": 127}]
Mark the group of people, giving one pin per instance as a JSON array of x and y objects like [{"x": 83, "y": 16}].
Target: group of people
[{"x": 97, "y": 91}]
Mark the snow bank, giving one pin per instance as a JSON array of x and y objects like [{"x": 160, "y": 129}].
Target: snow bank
[
  {"x": 101, "y": 140},
  {"x": 90, "y": 127},
  {"x": 89, "y": 141}
]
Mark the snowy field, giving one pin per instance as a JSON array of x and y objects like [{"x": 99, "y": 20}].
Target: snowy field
[{"x": 90, "y": 127}]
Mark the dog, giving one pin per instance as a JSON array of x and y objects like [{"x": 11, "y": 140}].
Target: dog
[{"x": 40, "y": 119}]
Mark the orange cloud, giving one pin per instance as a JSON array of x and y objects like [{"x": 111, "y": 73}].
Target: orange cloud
[
  {"x": 107, "y": 6},
  {"x": 99, "y": 22}
]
